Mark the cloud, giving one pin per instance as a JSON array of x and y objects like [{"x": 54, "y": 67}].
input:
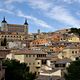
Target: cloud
[
  {"x": 10, "y": 8},
  {"x": 50, "y": 10},
  {"x": 7, "y": 11},
  {"x": 55, "y": 12},
  {"x": 37, "y": 21},
  {"x": 12, "y": 1},
  {"x": 78, "y": 13},
  {"x": 40, "y": 4},
  {"x": 68, "y": 1},
  {"x": 71, "y": 1},
  {"x": 63, "y": 15},
  {"x": 19, "y": 13}
]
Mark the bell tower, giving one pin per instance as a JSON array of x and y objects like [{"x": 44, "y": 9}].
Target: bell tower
[{"x": 26, "y": 26}]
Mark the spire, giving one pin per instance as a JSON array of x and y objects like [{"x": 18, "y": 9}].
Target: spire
[
  {"x": 26, "y": 23},
  {"x": 4, "y": 21}
]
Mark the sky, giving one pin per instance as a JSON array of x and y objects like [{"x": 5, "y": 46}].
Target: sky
[{"x": 46, "y": 15}]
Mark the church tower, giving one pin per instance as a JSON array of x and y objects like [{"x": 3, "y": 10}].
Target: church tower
[
  {"x": 4, "y": 25},
  {"x": 26, "y": 26}
]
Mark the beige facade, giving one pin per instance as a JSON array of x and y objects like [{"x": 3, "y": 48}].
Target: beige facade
[
  {"x": 69, "y": 53},
  {"x": 74, "y": 38},
  {"x": 12, "y": 36},
  {"x": 33, "y": 59}
]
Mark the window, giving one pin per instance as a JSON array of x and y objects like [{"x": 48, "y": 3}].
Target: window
[
  {"x": 77, "y": 58},
  {"x": 56, "y": 65},
  {"x": 29, "y": 55},
  {"x": 26, "y": 55},
  {"x": 72, "y": 51},
  {"x": 38, "y": 72},
  {"x": 66, "y": 29},
  {"x": 41, "y": 55},
  {"x": 37, "y": 55},
  {"x": 33, "y": 63},
  {"x": 38, "y": 62},
  {"x": 75, "y": 51},
  {"x": 61, "y": 38},
  {"x": 63, "y": 65},
  {"x": 62, "y": 56},
  {"x": 33, "y": 55},
  {"x": 29, "y": 63}
]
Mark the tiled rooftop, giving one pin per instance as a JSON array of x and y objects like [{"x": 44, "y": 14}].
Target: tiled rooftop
[{"x": 25, "y": 51}]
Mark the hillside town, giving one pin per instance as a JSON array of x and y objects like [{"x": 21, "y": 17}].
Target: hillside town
[{"x": 47, "y": 54}]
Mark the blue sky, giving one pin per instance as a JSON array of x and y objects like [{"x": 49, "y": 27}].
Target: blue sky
[{"x": 46, "y": 15}]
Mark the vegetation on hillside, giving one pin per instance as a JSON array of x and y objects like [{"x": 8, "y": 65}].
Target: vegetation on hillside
[
  {"x": 73, "y": 71},
  {"x": 17, "y": 71},
  {"x": 75, "y": 31},
  {"x": 4, "y": 42}
]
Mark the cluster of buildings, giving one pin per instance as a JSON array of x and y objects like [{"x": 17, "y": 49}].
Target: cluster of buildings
[{"x": 47, "y": 54}]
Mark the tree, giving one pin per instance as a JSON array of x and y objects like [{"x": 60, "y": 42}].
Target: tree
[
  {"x": 75, "y": 31},
  {"x": 4, "y": 42},
  {"x": 17, "y": 71},
  {"x": 73, "y": 71}
]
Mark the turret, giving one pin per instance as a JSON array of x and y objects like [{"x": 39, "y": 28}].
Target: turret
[
  {"x": 4, "y": 25},
  {"x": 26, "y": 23},
  {"x": 4, "y": 21}
]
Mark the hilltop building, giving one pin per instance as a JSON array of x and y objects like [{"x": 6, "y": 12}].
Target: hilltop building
[
  {"x": 14, "y": 27},
  {"x": 15, "y": 34}
]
